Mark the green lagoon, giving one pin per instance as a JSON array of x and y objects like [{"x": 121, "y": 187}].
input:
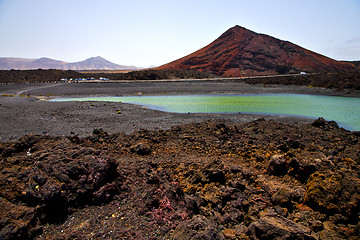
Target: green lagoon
[{"x": 344, "y": 110}]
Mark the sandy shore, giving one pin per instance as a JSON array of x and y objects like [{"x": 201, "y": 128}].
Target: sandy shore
[{"x": 22, "y": 115}]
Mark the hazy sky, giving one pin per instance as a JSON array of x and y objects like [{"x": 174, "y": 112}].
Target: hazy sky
[{"x": 155, "y": 32}]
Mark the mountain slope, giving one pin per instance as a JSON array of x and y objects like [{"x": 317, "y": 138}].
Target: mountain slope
[
  {"x": 48, "y": 63},
  {"x": 20, "y": 63},
  {"x": 97, "y": 63},
  {"x": 241, "y": 52},
  {"x": 94, "y": 63}
]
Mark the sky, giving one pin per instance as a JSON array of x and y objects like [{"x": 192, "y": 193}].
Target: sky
[{"x": 147, "y": 33}]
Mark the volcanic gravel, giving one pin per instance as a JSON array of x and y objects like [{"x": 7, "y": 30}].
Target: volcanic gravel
[{"x": 86, "y": 171}]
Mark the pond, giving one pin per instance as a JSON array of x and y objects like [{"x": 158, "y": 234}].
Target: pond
[{"x": 344, "y": 110}]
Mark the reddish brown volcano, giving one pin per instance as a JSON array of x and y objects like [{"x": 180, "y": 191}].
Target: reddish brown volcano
[{"x": 241, "y": 52}]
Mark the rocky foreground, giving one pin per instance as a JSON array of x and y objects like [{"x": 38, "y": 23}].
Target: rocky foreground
[{"x": 258, "y": 180}]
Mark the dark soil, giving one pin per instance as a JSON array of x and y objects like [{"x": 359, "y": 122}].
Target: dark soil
[
  {"x": 38, "y": 76},
  {"x": 348, "y": 81},
  {"x": 340, "y": 81},
  {"x": 211, "y": 180}
]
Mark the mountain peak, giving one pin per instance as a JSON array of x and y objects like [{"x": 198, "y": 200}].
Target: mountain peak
[
  {"x": 97, "y": 58},
  {"x": 242, "y": 52},
  {"x": 238, "y": 28}
]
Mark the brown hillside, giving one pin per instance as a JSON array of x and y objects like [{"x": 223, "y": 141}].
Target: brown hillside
[{"x": 241, "y": 52}]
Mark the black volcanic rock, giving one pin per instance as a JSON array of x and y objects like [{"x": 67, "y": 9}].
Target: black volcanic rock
[{"x": 197, "y": 187}]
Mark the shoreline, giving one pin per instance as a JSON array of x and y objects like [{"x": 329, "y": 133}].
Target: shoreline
[
  {"x": 117, "y": 170},
  {"x": 21, "y": 115},
  {"x": 168, "y": 86}
]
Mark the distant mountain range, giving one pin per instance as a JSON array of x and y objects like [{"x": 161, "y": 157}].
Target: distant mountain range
[
  {"x": 241, "y": 52},
  {"x": 94, "y": 63}
]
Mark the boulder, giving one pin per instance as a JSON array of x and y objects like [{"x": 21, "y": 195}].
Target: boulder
[
  {"x": 277, "y": 165},
  {"x": 277, "y": 227},
  {"x": 282, "y": 197},
  {"x": 141, "y": 149},
  {"x": 16, "y": 221},
  {"x": 322, "y": 123},
  {"x": 333, "y": 193}
]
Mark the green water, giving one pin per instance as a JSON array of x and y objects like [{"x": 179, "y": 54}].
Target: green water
[{"x": 345, "y": 111}]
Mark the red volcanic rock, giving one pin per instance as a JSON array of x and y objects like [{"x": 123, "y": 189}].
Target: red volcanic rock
[{"x": 241, "y": 52}]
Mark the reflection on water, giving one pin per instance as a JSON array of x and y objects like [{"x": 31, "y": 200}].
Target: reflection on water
[{"x": 345, "y": 111}]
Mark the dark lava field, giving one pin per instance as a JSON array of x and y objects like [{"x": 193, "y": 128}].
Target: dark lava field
[{"x": 212, "y": 180}]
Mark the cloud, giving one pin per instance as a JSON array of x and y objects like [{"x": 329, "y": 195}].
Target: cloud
[
  {"x": 348, "y": 52},
  {"x": 353, "y": 41}
]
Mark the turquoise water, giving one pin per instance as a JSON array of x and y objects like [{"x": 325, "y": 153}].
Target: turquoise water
[{"x": 345, "y": 111}]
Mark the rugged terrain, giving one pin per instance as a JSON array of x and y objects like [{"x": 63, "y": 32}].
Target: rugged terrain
[
  {"x": 211, "y": 180},
  {"x": 241, "y": 52},
  {"x": 154, "y": 175}
]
